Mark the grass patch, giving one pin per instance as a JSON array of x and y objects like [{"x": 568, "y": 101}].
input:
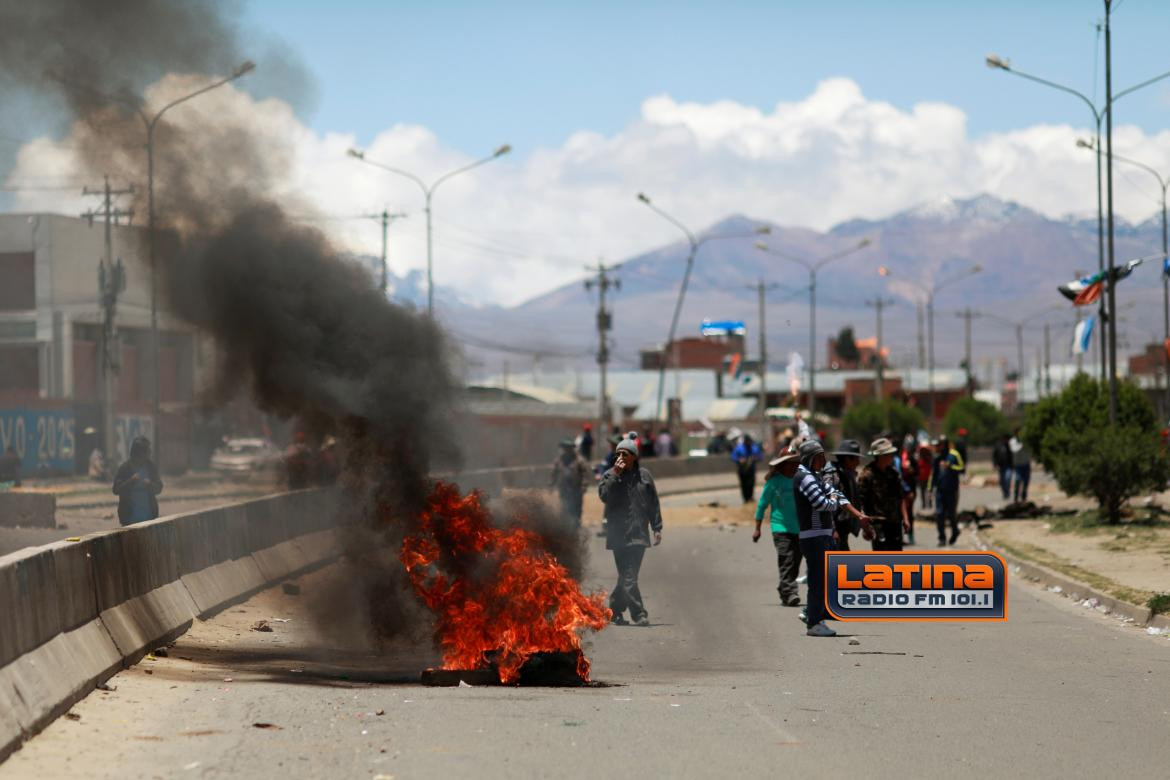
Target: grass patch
[
  {"x": 1159, "y": 603},
  {"x": 1030, "y": 552}
]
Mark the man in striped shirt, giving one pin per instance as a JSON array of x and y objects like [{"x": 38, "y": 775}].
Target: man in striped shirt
[{"x": 817, "y": 505}]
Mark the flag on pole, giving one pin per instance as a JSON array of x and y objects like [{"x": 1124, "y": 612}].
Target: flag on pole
[
  {"x": 1082, "y": 336},
  {"x": 1087, "y": 289},
  {"x": 1166, "y": 267},
  {"x": 734, "y": 366}
]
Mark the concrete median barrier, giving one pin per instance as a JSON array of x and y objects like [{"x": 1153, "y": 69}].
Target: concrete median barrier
[{"x": 73, "y": 613}]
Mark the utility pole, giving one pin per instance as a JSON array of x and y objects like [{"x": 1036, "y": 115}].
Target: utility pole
[
  {"x": 603, "y": 282},
  {"x": 1110, "y": 282},
  {"x": 385, "y": 218},
  {"x": 1047, "y": 362},
  {"x": 761, "y": 288},
  {"x": 111, "y": 282},
  {"x": 921, "y": 339},
  {"x": 879, "y": 366},
  {"x": 968, "y": 314}
]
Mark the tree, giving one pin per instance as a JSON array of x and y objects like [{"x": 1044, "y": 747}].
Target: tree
[
  {"x": 865, "y": 420},
  {"x": 847, "y": 345},
  {"x": 1070, "y": 434},
  {"x": 983, "y": 422}
]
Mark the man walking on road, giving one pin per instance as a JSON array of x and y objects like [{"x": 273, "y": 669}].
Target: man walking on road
[
  {"x": 882, "y": 495},
  {"x": 1001, "y": 459},
  {"x": 746, "y": 455},
  {"x": 1022, "y": 464},
  {"x": 778, "y": 495},
  {"x": 948, "y": 466},
  {"x": 816, "y": 506},
  {"x": 569, "y": 472},
  {"x": 632, "y": 511}
]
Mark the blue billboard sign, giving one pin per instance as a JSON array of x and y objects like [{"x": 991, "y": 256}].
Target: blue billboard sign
[{"x": 43, "y": 438}]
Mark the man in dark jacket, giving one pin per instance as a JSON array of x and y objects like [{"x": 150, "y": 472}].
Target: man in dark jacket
[
  {"x": 1001, "y": 458},
  {"x": 137, "y": 485},
  {"x": 569, "y": 472},
  {"x": 632, "y": 511},
  {"x": 842, "y": 476},
  {"x": 881, "y": 493},
  {"x": 747, "y": 456}
]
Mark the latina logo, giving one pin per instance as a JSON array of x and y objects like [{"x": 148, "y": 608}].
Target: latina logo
[{"x": 916, "y": 586}]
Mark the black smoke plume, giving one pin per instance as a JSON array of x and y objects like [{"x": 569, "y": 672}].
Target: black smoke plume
[{"x": 301, "y": 329}]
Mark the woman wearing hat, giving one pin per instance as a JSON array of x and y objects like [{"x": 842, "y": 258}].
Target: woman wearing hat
[{"x": 778, "y": 495}]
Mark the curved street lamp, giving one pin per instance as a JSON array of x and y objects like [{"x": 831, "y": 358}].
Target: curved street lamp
[
  {"x": 930, "y": 292},
  {"x": 1108, "y": 345},
  {"x": 695, "y": 242},
  {"x": 1163, "y": 185},
  {"x": 428, "y": 191},
  {"x": 813, "y": 266}
]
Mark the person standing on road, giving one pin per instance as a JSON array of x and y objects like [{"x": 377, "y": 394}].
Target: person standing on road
[
  {"x": 632, "y": 511},
  {"x": 908, "y": 458},
  {"x": 925, "y": 471},
  {"x": 746, "y": 456},
  {"x": 664, "y": 444},
  {"x": 1022, "y": 465},
  {"x": 948, "y": 466},
  {"x": 10, "y": 467},
  {"x": 585, "y": 443},
  {"x": 882, "y": 496},
  {"x": 137, "y": 485},
  {"x": 569, "y": 472},
  {"x": 842, "y": 476},
  {"x": 817, "y": 505},
  {"x": 778, "y": 495},
  {"x": 1001, "y": 459}
]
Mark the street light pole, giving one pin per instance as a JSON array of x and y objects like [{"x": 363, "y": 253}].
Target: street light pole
[
  {"x": 151, "y": 123},
  {"x": 694, "y": 243},
  {"x": 1163, "y": 185},
  {"x": 879, "y": 368},
  {"x": 813, "y": 267},
  {"x": 428, "y": 192},
  {"x": 1110, "y": 285}
]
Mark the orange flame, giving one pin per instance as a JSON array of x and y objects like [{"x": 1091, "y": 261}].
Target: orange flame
[{"x": 495, "y": 591}]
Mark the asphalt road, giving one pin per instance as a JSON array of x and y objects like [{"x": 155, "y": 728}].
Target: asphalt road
[{"x": 723, "y": 682}]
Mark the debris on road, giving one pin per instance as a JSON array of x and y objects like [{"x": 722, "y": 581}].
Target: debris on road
[
  {"x": 262, "y": 625},
  {"x": 291, "y": 589},
  {"x": 380, "y": 712},
  {"x": 72, "y": 716},
  {"x": 161, "y": 652},
  {"x": 854, "y": 642},
  {"x": 267, "y": 726},
  {"x": 870, "y": 652},
  {"x": 107, "y": 688}
]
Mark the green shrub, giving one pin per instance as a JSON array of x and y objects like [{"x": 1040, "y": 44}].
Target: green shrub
[
  {"x": 865, "y": 420},
  {"x": 1070, "y": 434},
  {"x": 983, "y": 422},
  {"x": 1159, "y": 603}
]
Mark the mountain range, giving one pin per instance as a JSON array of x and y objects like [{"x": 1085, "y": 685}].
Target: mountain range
[{"x": 1023, "y": 257}]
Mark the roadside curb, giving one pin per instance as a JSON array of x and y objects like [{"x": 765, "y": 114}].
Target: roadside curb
[{"x": 1076, "y": 590}]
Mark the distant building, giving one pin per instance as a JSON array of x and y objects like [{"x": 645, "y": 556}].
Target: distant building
[
  {"x": 50, "y": 330},
  {"x": 710, "y": 352},
  {"x": 866, "y": 349}
]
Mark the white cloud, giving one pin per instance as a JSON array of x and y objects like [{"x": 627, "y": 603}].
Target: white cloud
[{"x": 529, "y": 221}]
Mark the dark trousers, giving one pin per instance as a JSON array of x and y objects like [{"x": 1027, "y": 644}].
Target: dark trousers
[
  {"x": 1005, "y": 482},
  {"x": 1023, "y": 477},
  {"x": 626, "y": 594},
  {"x": 747, "y": 483},
  {"x": 788, "y": 561},
  {"x": 946, "y": 505},
  {"x": 926, "y": 495},
  {"x": 888, "y": 537},
  {"x": 844, "y": 528},
  {"x": 571, "y": 505},
  {"x": 813, "y": 549}
]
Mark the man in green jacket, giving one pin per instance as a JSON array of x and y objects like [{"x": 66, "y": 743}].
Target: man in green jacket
[{"x": 785, "y": 526}]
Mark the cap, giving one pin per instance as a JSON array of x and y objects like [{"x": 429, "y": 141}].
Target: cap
[{"x": 627, "y": 445}]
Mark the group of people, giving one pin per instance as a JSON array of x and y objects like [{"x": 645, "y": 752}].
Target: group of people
[
  {"x": 814, "y": 505},
  {"x": 1013, "y": 464}
]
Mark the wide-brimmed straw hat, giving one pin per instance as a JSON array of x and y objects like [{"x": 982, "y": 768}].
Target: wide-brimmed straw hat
[
  {"x": 784, "y": 457},
  {"x": 882, "y": 447}
]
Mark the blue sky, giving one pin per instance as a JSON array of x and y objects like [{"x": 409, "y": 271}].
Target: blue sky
[{"x": 532, "y": 73}]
